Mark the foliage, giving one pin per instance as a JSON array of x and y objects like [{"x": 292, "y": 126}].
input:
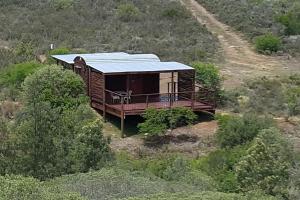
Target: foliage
[
  {"x": 61, "y": 88},
  {"x": 14, "y": 75},
  {"x": 206, "y": 196},
  {"x": 117, "y": 183},
  {"x": 220, "y": 166},
  {"x": 293, "y": 100},
  {"x": 235, "y": 130},
  {"x": 56, "y": 132},
  {"x": 258, "y": 17},
  {"x": 271, "y": 96},
  {"x": 84, "y": 24},
  {"x": 59, "y": 51},
  {"x": 128, "y": 12},
  {"x": 18, "y": 187},
  {"x": 267, "y": 43},
  {"x": 158, "y": 121},
  {"x": 291, "y": 20},
  {"x": 62, "y": 4},
  {"x": 208, "y": 76},
  {"x": 174, "y": 11},
  {"x": 266, "y": 165}
]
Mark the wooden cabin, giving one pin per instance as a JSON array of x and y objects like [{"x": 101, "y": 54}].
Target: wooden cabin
[{"x": 124, "y": 84}]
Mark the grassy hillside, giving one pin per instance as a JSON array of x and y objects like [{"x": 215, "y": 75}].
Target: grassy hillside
[
  {"x": 258, "y": 17},
  {"x": 161, "y": 27}
]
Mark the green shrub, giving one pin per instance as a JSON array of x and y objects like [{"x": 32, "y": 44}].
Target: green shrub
[
  {"x": 52, "y": 84},
  {"x": 56, "y": 132},
  {"x": 174, "y": 11},
  {"x": 57, "y": 51},
  {"x": 158, "y": 121},
  {"x": 266, "y": 165},
  {"x": 235, "y": 131},
  {"x": 206, "y": 196},
  {"x": 291, "y": 21},
  {"x": 267, "y": 43},
  {"x": 128, "y": 12},
  {"x": 220, "y": 166},
  {"x": 18, "y": 187},
  {"x": 117, "y": 183},
  {"x": 208, "y": 76},
  {"x": 62, "y": 4},
  {"x": 15, "y": 75}
]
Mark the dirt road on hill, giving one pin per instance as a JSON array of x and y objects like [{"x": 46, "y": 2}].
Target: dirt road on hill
[{"x": 241, "y": 62}]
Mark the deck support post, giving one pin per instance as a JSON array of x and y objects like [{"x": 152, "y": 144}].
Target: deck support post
[
  {"x": 122, "y": 117},
  {"x": 194, "y": 91},
  {"x": 104, "y": 99},
  {"x": 172, "y": 90}
]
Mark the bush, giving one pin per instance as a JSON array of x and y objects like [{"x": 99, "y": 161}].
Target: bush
[
  {"x": 158, "y": 121},
  {"x": 291, "y": 21},
  {"x": 18, "y": 187},
  {"x": 206, "y": 196},
  {"x": 57, "y": 51},
  {"x": 62, "y": 4},
  {"x": 52, "y": 84},
  {"x": 15, "y": 75},
  {"x": 174, "y": 11},
  {"x": 128, "y": 12},
  {"x": 266, "y": 165},
  {"x": 56, "y": 132},
  {"x": 208, "y": 76},
  {"x": 220, "y": 166},
  {"x": 267, "y": 43},
  {"x": 235, "y": 131}
]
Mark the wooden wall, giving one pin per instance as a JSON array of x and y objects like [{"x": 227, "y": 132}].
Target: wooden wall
[
  {"x": 186, "y": 83},
  {"x": 96, "y": 86}
]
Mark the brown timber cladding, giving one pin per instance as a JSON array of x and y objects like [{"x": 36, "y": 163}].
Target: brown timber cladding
[
  {"x": 96, "y": 86},
  {"x": 186, "y": 82}
]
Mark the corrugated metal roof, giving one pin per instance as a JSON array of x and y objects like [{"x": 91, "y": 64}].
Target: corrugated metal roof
[
  {"x": 121, "y": 62},
  {"x": 108, "y": 57},
  {"x": 123, "y": 67}
]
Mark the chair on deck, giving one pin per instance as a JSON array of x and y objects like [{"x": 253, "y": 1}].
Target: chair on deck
[
  {"x": 127, "y": 98},
  {"x": 115, "y": 98}
]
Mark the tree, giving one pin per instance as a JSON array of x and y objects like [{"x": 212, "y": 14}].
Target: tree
[
  {"x": 208, "y": 76},
  {"x": 235, "y": 130},
  {"x": 56, "y": 131},
  {"x": 60, "y": 88},
  {"x": 266, "y": 165}
]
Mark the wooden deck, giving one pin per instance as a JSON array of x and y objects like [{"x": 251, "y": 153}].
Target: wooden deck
[{"x": 140, "y": 108}]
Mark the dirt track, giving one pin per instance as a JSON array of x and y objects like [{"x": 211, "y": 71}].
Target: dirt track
[{"x": 240, "y": 60}]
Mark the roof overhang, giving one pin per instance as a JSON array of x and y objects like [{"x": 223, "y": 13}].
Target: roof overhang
[{"x": 123, "y": 63}]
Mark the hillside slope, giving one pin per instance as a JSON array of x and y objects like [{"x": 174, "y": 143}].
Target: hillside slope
[
  {"x": 161, "y": 27},
  {"x": 241, "y": 61}
]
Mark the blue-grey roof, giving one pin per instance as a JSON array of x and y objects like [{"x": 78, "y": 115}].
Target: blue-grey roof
[
  {"x": 108, "y": 57},
  {"x": 126, "y": 67},
  {"x": 120, "y": 62}
]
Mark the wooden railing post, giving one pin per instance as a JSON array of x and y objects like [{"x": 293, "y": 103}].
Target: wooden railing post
[
  {"x": 147, "y": 101},
  {"x": 193, "y": 100},
  {"x": 170, "y": 100}
]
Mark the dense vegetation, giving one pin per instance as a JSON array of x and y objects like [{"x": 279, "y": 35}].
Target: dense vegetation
[
  {"x": 259, "y": 17},
  {"x": 55, "y": 132},
  {"x": 30, "y": 26},
  {"x": 52, "y": 144}
]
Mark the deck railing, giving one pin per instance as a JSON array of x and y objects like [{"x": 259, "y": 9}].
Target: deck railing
[{"x": 165, "y": 100}]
